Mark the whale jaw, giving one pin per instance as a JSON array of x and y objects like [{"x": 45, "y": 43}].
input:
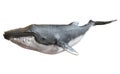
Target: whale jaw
[{"x": 29, "y": 42}]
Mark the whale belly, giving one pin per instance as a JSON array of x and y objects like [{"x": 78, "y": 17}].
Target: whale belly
[{"x": 75, "y": 41}]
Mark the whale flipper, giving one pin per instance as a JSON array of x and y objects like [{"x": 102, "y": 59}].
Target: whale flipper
[
  {"x": 67, "y": 47},
  {"x": 71, "y": 50}
]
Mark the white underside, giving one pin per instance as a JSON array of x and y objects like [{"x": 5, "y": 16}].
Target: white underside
[
  {"x": 30, "y": 43},
  {"x": 75, "y": 41}
]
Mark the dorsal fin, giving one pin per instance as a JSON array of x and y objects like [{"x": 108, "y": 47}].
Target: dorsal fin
[{"x": 74, "y": 23}]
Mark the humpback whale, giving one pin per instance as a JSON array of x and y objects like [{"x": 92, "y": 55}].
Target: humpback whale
[{"x": 51, "y": 38}]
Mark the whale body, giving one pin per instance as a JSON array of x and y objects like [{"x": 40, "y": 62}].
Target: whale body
[{"x": 51, "y": 38}]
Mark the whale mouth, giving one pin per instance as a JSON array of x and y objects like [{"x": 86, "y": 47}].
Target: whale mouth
[
  {"x": 25, "y": 42},
  {"x": 22, "y": 38}
]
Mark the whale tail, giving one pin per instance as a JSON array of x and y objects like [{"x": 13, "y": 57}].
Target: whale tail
[{"x": 100, "y": 22}]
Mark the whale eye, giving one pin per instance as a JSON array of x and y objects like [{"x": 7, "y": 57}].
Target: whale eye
[{"x": 43, "y": 38}]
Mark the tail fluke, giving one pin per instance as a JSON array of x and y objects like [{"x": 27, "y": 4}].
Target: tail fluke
[{"x": 101, "y": 22}]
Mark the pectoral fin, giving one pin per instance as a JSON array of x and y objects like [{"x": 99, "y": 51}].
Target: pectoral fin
[
  {"x": 67, "y": 48},
  {"x": 70, "y": 50}
]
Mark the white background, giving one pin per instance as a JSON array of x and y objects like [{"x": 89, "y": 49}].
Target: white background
[{"x": 99, "y": 50}]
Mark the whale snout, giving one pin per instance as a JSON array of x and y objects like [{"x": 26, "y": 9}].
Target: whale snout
[
  {"x": 10, "y": 34},
  {"x": 6, "y": 35},
  {"x": 16, "y": 33}
]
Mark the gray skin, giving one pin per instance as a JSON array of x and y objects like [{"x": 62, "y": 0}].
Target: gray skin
[{"x": 50, "y": 34}]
